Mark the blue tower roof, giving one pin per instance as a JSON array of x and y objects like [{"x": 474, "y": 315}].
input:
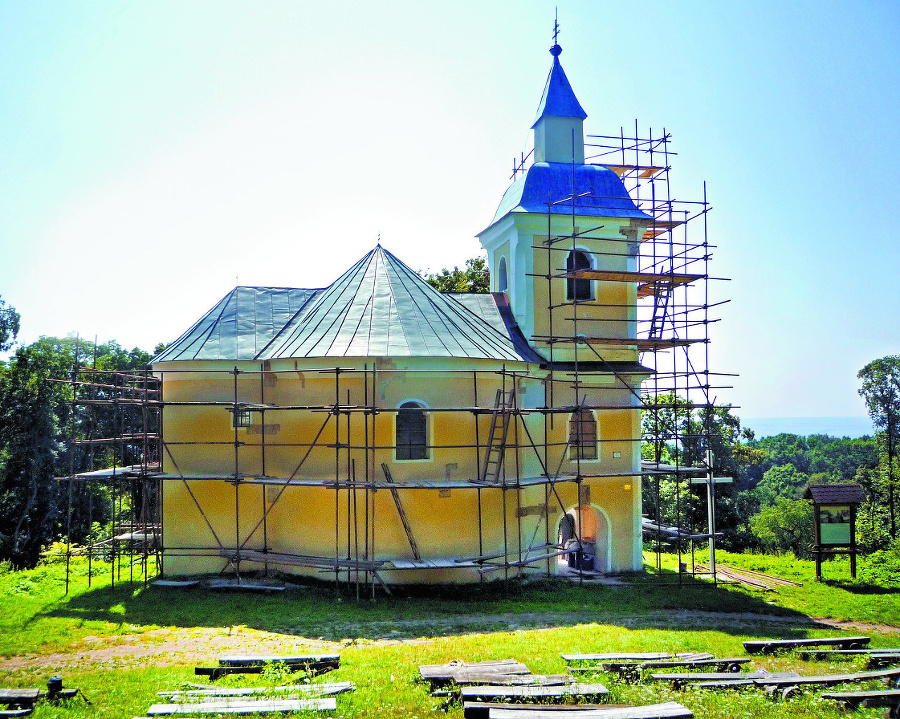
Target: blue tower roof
[
  {"x": 545, "y": 186},
  {"x": 558, "y": 99}
]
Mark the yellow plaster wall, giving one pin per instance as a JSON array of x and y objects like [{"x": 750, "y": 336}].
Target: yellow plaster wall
[{"x": 445, "y": 521}]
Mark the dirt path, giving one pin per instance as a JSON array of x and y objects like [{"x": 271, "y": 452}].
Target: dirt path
[{"x": 173, "y": 646}]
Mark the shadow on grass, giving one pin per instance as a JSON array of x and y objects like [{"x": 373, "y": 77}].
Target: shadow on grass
[
  {"x": 854, "y": 587},
  {"x": 313, "y": 610}
]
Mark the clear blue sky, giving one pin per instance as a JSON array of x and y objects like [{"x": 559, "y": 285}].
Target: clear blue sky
[{"x": 154, "y": 152}]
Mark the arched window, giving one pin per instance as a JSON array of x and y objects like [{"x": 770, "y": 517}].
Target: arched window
[
  {"x": 412, "y": 434},
  {"x": 578, "y": 289},
  {"x": 502, "y": 278},
  {"x": 582, "y": 435}
]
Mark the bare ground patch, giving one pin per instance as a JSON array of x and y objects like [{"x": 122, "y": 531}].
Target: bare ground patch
[{"x": 176, "y": 646}]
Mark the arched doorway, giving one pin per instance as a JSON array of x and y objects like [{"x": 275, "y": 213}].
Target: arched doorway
[{"x": 582, "y": 534}]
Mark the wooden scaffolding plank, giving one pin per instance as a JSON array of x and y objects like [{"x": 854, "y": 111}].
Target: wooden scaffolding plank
[{"x": 396, "y": 495}]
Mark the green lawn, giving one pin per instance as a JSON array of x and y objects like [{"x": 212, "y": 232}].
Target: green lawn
[{"x": 44, "y": 632}]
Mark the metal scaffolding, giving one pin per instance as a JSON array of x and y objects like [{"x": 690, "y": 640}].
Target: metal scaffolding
[{"x": 671, "y": 322}]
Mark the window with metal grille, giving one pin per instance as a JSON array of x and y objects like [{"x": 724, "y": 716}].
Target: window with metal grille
[
  {"x": 583, "y": 435},
  {"x": 412, "y": 432},
  {"x": 578, "y": 289}
]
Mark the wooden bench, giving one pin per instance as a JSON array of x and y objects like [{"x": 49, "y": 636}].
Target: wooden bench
[
  {"x": 245, "y": 706},
  {"x": 313, "y": 664},
  {"x": 841, "y": 653},
  {"x": 723, "y": 664},
  {"x": 19, "y": 697},
  {"x": 854, "y": 700},
  {"x": 790, "y": 685},
  {"x": 631, "y": 671},
  {"x": 768, "y": 646},
  {"x": 443, "y": 674},
  {"x": 622, "y": 656},
  {"x": 710, "y": 680},
  {"x": 19, "y": 700},
  {"x": 666, "y": 710},
  {"x": 532, "y": 694},
  {"x": 324, "y": 689}
]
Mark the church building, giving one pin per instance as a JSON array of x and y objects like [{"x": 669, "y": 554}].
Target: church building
[{"x": 378, "y": 431}]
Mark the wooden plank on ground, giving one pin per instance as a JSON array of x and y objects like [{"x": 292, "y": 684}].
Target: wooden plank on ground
[
  {"x": 666, "y": 710},
  {"x": 476, "y": 676},
  {"x": 480, "y": 710},
  {"x": 767, "y": 646},
  {"x": 245, "y": 707},
  {"x": 524, "y": 694}
]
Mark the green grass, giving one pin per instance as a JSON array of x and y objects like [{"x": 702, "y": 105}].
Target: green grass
[{"x": 43, "y": 629}]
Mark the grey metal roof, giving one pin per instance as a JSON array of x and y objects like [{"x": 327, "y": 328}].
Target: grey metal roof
[
  {"x": 598, "y": 191},
  {"x": 240, "y": 325},
  {"x": 558, "y": 99},
  {"x": 382, "y": 308}
]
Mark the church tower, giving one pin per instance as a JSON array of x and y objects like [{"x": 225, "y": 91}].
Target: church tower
[{"x": 562, "y": 236}]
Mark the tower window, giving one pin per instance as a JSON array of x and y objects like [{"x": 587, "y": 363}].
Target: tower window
[
  {"x": 583, "y": 435},
  {"x": 502, "y": 278},
  {"x": 578, "y": 289},
  {"x": 412, "y": 426}
]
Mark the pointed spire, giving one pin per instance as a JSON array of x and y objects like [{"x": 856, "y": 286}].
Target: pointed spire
[
  {"x": 559, "y": 125},
  {"x": 558, "y": 99}
]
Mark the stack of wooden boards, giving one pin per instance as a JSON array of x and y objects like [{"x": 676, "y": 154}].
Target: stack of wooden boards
[
  {"x": 506, "y": 689},
  {"x": 205, "y": 699}
]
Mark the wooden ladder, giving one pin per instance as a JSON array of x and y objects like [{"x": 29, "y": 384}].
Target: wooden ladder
[
  {"x": 396, "y": 495},
  {"x": 496, "y": 446}
]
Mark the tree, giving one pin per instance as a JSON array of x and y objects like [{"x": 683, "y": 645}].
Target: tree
[
  {"x": 677, "y": 431},
  {"x": 780, "y": 482},
  {"x": 9, "y": 325},
  {"x": 28, "y": 490},
  {"x": 475, "y": 278},
  {"x": 786, "y": 526},
  {"x": 37, "y": 417},
  {"x": 881, "y": 391}
]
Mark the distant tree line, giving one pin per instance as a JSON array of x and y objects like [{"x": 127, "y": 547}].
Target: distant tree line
[{"x": 761, "y": 509}]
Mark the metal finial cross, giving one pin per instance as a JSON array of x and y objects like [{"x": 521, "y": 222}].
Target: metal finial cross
[{"x": 556, "y": 26}]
